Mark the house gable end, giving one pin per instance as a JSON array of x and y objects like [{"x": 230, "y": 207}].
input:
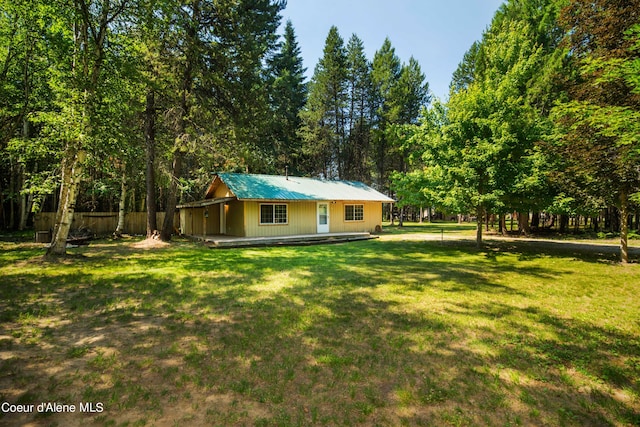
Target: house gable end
[{"x": 218, "y": 189}]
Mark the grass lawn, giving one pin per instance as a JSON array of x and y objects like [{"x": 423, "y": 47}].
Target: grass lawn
[{"x": 391, "y": 331}]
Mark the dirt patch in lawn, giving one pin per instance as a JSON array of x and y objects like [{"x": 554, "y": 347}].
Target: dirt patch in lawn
[{"x": 150, "y": 244}]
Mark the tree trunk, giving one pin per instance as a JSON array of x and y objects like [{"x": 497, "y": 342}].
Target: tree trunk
[
  {"x": 624, "y": 227},
  {"x": 122, "y": 206},
  {"x": 26, "y": 200},
  {"x": 22, "y": 218},
  {"x": 88, "y": 68},
  {"x": 69, "y": 194},
  {"x": 2, "y": 213},
  {"x": 502, "y": 224},
  {"x": 182, "y": 135},
  {"x": 479, "y": 224},
  {"x": 62, "y": 195},
  {"x": 172, "y": 198},
  {"x": 564, "y": 223},
  {"x": 150, "y": 144},
  {"x": 12, "y": 193},
  {"x": 523, "y": 223},
  {"x": 535, "y": 220},
  {"x": 26, "y": 203}
]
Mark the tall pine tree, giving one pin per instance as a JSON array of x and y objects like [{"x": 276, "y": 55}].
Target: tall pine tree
[
  {"x": 358, "y": 121},
  {"x": 323, "y": 127},
  {"x": 288, "y": 98},
  {"x": 385, "y": 73},
  {"x": 219, "y": 49}
]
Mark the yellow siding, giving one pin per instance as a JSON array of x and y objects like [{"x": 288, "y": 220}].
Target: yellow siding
[
  {"x": 243, "y": 219},
  {"x": 222, "y": 191},
  {"x": 235, "y": 213},
  {"x": 212, "y": 219},
  {"x": 183, "y": 222},
  {"x": 301, "y": 217},
  {"x": 191, "y": 221},
  {"x": 372, "y": 217},
  {"x": 197, "y": 221}
]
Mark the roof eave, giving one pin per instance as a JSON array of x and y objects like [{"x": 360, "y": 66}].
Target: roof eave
[
  {"x": 205, "y": 202},
  {"x": 315, "y": 200}
]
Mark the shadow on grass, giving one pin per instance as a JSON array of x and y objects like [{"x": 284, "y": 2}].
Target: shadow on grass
[
  {"x": 429, "y": 227},
  {"x": 369, "y": 333},
  {"x": 587, "y": 252}
]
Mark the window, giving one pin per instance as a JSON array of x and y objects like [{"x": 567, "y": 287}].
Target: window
[
  {"x": 273, "y": 214},
  {"x": 354, "y": 212}
]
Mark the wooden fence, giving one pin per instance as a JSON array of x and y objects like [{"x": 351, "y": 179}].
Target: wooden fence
[{"x": 102, "y": 223}]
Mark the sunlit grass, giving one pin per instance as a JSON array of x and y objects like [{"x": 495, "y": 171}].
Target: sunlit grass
[{"x": 386, "y": 332}]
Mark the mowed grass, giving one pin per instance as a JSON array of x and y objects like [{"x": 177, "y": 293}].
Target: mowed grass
[{"x": 383, "y": 332}]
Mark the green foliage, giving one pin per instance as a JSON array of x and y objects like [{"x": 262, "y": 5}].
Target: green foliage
[
  {"x": 324, "y": 116},
  {"x": 27, "y": 36},
  {"x": 465, "y": 74},
  {"x": 357, "y": 151},
  {"x": 75, "y": 76},
  {"x": 225, "y": 95},
  {"x": 481, "y": 151},
  {"x": 408, "y": 189},
  {"x": 597, "y": 126},
  {"x": 288, "y": 97},
  {"x": 492, "y": 130},
  {"x": 37, "y": 183},
  {"x": 352, "y": 105},
  {"x": 230, "y": 95},
  {"x": 619, "y": 122},
  {"x": 399, "y": 94}
]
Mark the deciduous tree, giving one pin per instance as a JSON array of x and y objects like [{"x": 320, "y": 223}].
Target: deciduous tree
[
  {"x": 79, "y": 71},
  {"x": 598, "y": 126}
]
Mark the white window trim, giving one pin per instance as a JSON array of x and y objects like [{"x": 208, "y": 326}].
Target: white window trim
[
  {"x": 273, "y": 205},
  {"x": 354, "y": 212}
]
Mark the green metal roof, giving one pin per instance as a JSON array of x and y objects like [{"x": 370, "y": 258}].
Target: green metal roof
[{"x": 272, "y": 187}]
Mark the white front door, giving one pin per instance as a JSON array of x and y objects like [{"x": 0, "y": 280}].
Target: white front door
[{"x": 323, "y": 217}]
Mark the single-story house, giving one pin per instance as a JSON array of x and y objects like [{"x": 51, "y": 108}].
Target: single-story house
[{"x": 247, "y": 205}]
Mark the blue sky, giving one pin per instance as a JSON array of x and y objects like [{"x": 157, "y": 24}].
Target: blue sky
[{"x": 435, "y": 32}]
